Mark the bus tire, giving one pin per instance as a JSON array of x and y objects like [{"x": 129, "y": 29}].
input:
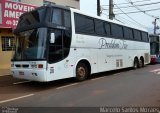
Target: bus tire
[
  {"x": 136, "y": 63},
  {"x": 81, "y": 72},
  {"x": 141, "y": 62}
]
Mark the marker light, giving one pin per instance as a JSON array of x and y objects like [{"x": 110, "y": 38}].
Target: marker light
[{"x": 40, "y": 65}]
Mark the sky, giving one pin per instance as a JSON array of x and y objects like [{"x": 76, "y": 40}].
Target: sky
[{"x": 141, "y": 19}]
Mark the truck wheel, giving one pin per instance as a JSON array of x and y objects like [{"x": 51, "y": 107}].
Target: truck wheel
[
  {"x": 81, "y": 72},
  {"x": 136, "y": 63},
  {"x": 141, "y": 63}
]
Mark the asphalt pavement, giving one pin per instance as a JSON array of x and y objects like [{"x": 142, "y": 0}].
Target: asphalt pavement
[{"x": 127, "y": 87}]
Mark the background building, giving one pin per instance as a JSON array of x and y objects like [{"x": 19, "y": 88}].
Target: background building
[
  {"x": 7, "y": 24},
  {"x": 71, "y": 3}
]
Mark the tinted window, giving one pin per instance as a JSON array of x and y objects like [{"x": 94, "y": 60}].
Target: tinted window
[
  {"x": 32, "y": 18},
  {"x": 117, "y": 30},
  {"x": 154, "y": 48},
  {"x": 107, "y": 27},
  {"x": 154, "y": 38},
  {"x": 144, "y": 36},
  {"x": 31, "y": 45},
  {"x": 84, "y": 24},
  {"x": 67, "y": 19},
  {"x": 128, "y": 34},
  {"x": 61, "y": 17},
  {"x": 137, "y": 35},
  {"x": 60, "y": 48},
  {"x": 57, "y": 16},
  {"x": 99, "y": 27}
]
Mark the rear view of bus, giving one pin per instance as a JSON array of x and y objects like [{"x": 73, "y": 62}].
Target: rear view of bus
[
  {"x": 155, "y": 48},
  {"x": 40, "y": 37}
]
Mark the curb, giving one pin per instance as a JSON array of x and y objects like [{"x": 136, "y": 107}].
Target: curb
[{"x": 5, "y": 75}]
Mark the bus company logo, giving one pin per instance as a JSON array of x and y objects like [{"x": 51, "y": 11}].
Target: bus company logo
[{"x": 112, "y": 44}]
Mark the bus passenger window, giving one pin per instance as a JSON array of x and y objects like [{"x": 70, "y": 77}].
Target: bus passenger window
[
  {"x": 137, "y": 35},
  {"x": 117, "y": 31},
  {"x": 99, "y": 27},
  {"x": 57, "y": 17},
  {"x": 128, "y": 34},
  {"x": 84, "y": 24},
  {"x": 144, "y": 37},
  {"x": 67, "y": 19},
  {"x": 107, "y": 27}
]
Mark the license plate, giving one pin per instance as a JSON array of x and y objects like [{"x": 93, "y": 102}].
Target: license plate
[{"x": 21, "y": 73}]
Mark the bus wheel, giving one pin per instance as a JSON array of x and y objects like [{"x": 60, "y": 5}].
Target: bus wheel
[
  {"x": 136, "y": 63},
  {"x": 81, "y": 72},
  {"x": 141, "y": 63}
]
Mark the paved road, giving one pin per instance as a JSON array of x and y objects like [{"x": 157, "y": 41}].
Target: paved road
[{"x": 127, "y": 87}]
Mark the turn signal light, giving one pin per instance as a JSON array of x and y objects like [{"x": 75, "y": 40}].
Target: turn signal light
[{"x": 40, "y": 65}]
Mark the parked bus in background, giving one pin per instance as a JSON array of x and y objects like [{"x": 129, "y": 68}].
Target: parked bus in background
[
  {"x": 155, "y": 48},
  {"x": 55, "y": 42}
]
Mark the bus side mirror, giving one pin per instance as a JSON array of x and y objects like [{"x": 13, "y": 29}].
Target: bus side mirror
[{"x": 52, "y": 40}]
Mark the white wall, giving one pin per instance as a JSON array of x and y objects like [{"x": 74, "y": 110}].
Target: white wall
[
  {"x": 33, "y": 2},
  {"x": 72, "y": 3}
]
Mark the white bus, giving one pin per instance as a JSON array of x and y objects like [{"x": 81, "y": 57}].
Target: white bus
[{"x": 55, "y": 42}]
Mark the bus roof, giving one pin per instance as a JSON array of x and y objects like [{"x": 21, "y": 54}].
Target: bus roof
[
  {"x": 105, "y": 19},
  {"x": 87, "y": 14},
  {"x": 47, "y": 6}
]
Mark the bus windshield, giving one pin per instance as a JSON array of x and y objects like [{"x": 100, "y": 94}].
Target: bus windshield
[
  {"x": 34, "y": 17},
  {"x": 31, "y": 45}
]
